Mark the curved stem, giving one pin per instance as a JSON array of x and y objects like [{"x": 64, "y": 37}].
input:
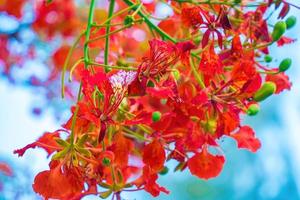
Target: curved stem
[{"x": 67, "y": 62}]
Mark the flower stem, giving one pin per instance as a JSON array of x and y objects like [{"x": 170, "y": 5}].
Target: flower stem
[
  {"x": 67, "y": 62},
  {"x": 86, "y": 64},
  {"x": 88, "y": 32},
  {"x": 110, "y": 13}
]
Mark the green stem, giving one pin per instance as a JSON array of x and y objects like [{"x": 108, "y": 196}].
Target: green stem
[
  {"x": 112, "y": 67},
  {"x": 151, "y": 25},
  {"x": 67, "y": 62},
  {"x": 107, "y": 38},
  {"x": 197, "y": 75},
  {"x": 88, "y": 32},
  {"x": 86, "y": 63},
  {"x": 107, "y": 35}
]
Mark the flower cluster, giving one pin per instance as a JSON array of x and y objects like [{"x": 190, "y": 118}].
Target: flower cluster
[{"x": 139, "y": 105}]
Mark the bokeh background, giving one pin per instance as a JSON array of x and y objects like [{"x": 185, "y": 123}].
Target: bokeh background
[{"x": 271, "y": 173}]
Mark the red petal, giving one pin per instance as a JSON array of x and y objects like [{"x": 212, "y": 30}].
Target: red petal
[
  {"x": 54, "y": 184},
  {"x": 284, "y": 11},
  {"x": 154, "y": 155},
  {"x": 46, "y": 142},
  {"x": 245, "y": 138},
  {"x": 205, "y": 38},
  {"x": 205, "y": 165},
  {"x": 281, "y": 80},
  {"x": 5, "y": 168}
]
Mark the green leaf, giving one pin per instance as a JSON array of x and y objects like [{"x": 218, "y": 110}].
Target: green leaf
[
  {"x": 83, "y": 151},
  {"x": 104, "y": 195},
  {"x": 62, "y": 142},
  {"x": 61, "y": 154},
  {"x": 82, "y": 140}
]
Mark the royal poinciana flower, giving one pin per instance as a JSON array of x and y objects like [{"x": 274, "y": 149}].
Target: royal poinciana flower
[
  {"x": 162, "y": 57},
  {"x": 198, "y": 18},
  {"x": 136, "y": 111},
  {"x": 102, "y": 96}
]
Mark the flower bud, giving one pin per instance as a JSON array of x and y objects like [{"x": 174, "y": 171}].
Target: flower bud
[
  {"x": 278, "y": 30},
  {"x": 106, "y": 161},
  {"x": 150, "y": 84},
  {"x": 285, "y": 64},
  {"x": 176, "y": 74},
  {"x": 265, "y": 91},
  {"x": 210, "y": 126},
  {"x": 164, "y": 171},
  {"x": 268, "y": 58},
  {"x": 290, "y": 22},
  {"x": 252, "y": 110},
  {"x": 156, "y": 116},
  {"x": 128, "y": 21}
]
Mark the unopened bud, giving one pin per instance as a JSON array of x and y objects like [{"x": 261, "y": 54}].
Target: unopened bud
[
  {"x": 278, "y": 30},
  {"x": 290, "y": 22},
  {"x": 268, "y": 58},
  {"x": 106, "y": 161},
  {"x": 285, "y": 64},
  {"x": 164, "y": 171},
  {"x": 265, "y": 91},
  {"x": 252, "y": 110},
  {"x": 156, "y": 116}
]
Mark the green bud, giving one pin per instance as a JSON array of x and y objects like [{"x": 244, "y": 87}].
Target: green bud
[
  {"x": 163, "y": 101},
  {"x": 268, "y": 58},
  {"x": 176, "y": 74},
  {"x": 278, "y": 30},
  {"x": 285, "y": 64},
  {"x": 265, "y": 91},
  {"x": 164, "y": 171},
  {"x": 290, "y": 22},
  {"x": 197, "y": 40},
  {"x": 210, "y": 126},
  {"x": 156, "y": 116},
  {"x": 252, "y": 110},
  {"x": 150, "y": 84},
  {"x": 128, "y": 21},
  {"x": 106, "y": 161}
]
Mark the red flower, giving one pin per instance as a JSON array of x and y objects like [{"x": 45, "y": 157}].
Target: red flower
[
  {"x": 5, "y": 168},
  {"x": 281, "y": 80},
  {"x": 245, "y": 138},
  {"x": 205, "y": 165},
  {"x": 285, "y": 40},
  {"x": 210, "y": 63},
  {"x": 192, "y": 17},
  {"x": 154, "y": 156},
  {"x": 149, "y": 180},
  {"x": 46, "y": 141},
  {"x": 57, "y": 183}
]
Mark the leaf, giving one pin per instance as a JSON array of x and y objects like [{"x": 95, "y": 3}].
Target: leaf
[
  {"x": 61, "y": 153},
  {"x": 245, "y": 138},
  {"x": 205, "y": 165},
  {"x": 62, "y": 142},
  {"x": 104, "y": 195},
  {"x": 154, "y": 155}
]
